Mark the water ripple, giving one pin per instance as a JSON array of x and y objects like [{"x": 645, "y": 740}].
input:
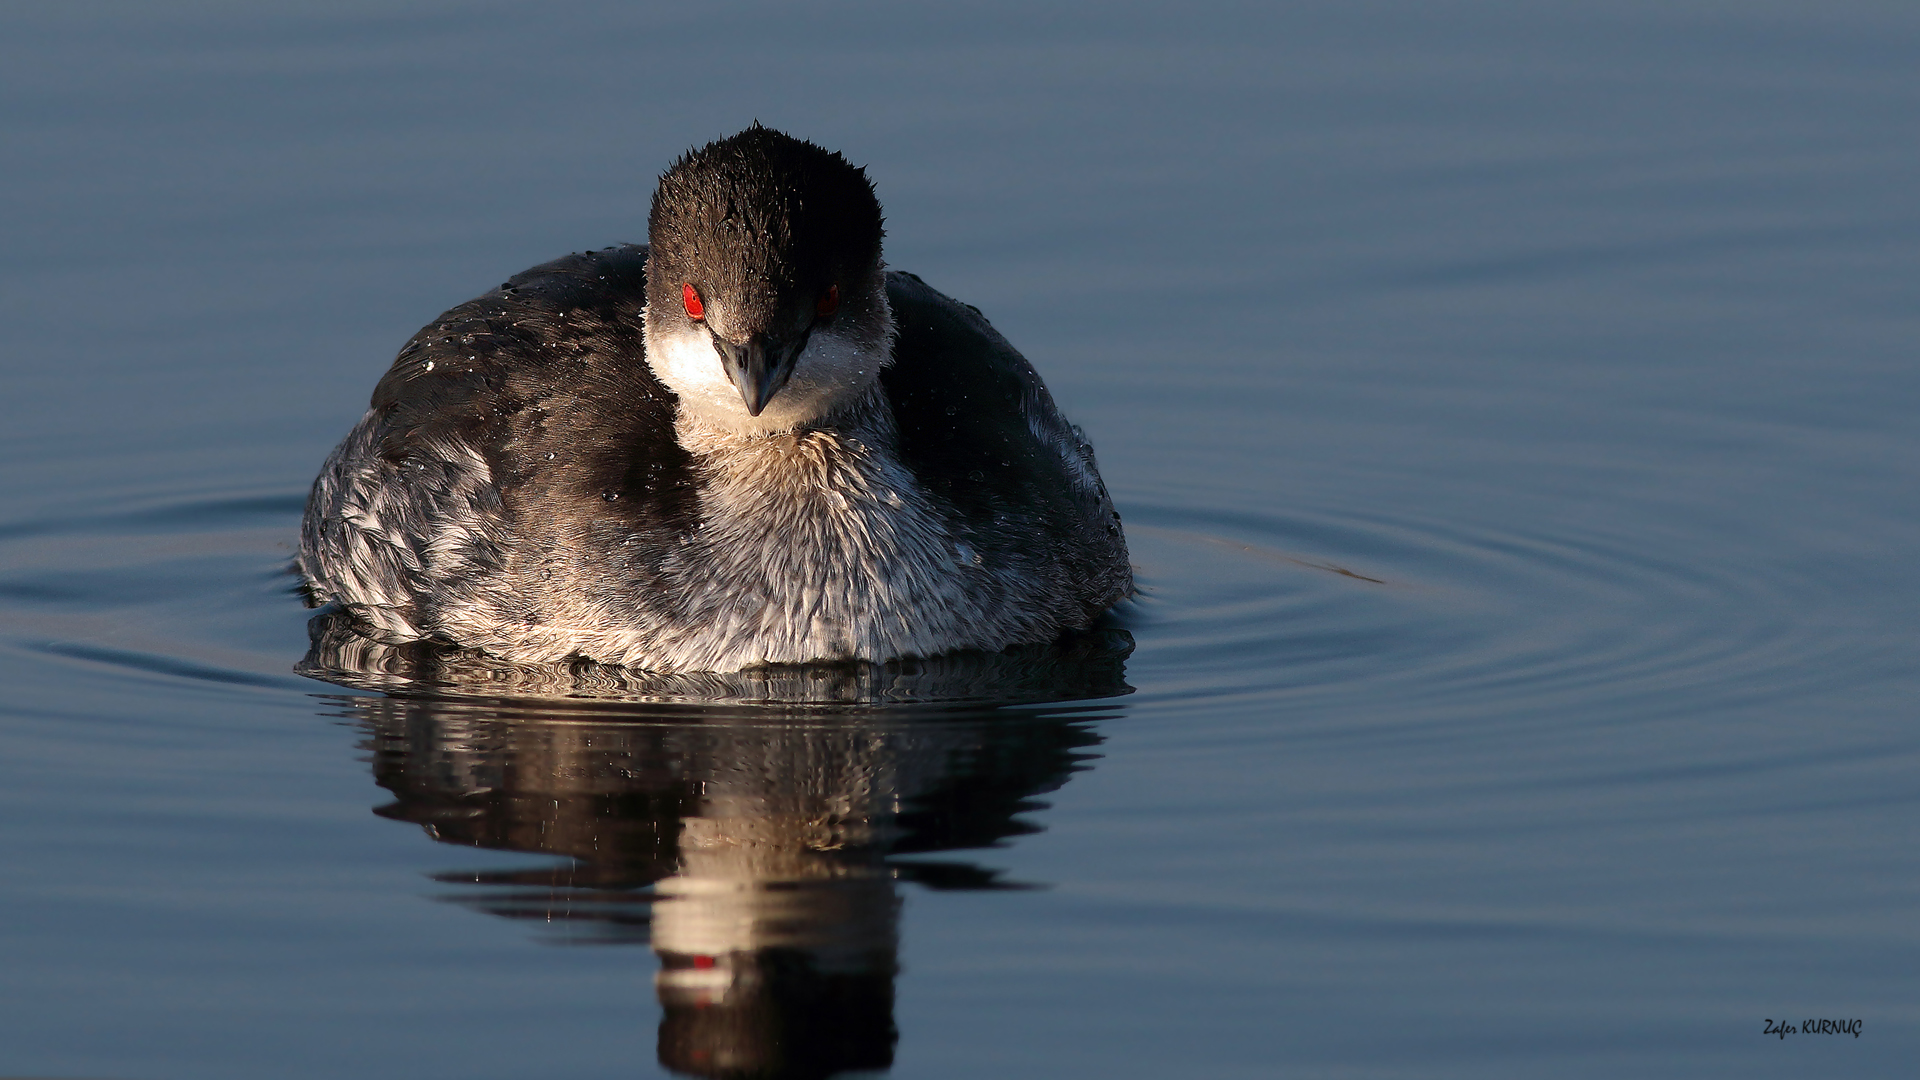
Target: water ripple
[
  {"x": 1316, "y": 601},
  {"x": 1287, "y": 606}
]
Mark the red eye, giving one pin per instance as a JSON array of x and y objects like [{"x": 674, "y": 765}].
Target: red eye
[
  {"x": 695, "y": 309},
  {"x": 829, "y": 301}
]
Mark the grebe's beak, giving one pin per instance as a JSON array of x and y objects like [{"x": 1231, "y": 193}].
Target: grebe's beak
[{"x": 760, "y": 367}]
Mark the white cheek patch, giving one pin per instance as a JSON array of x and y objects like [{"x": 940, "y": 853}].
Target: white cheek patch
[
  {"x": 690, "y": 367},
  {"x": 831, "y": 373}
]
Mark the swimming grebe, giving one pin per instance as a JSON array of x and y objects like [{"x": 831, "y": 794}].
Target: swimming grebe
[{"x": 743, "y": 443}]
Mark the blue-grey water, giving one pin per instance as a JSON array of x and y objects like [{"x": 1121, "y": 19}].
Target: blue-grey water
[{"x": 1512, "y": 408}]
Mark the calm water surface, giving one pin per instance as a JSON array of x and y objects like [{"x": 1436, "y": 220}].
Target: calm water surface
[{"x": 1512, "y": 411}]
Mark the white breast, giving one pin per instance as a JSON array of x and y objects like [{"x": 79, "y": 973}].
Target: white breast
[{"x": 819, "y": 545}]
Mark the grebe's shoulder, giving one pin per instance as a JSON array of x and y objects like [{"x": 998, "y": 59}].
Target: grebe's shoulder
[
  {"x": 559, "y": 321},
  {"x": 980, "y": 432},
  {"x": 543, "y": 381},
  {"x": 976, "y": 422}
]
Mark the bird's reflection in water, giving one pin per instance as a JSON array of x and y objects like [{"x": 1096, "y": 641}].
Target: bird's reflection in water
[{"x": 756, "y": 848}]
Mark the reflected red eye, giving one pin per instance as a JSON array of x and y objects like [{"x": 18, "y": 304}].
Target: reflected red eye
[
  {"x": 829, "y": 300},
  {"x": 695, "y": 309}
]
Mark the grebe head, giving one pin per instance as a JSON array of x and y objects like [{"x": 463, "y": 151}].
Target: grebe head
[{"x": 766, "y": 300}]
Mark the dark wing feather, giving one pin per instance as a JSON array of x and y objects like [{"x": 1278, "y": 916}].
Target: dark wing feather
[
  {"x": 980, "y": 430},
  {"x": 543, "y": 381}
]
